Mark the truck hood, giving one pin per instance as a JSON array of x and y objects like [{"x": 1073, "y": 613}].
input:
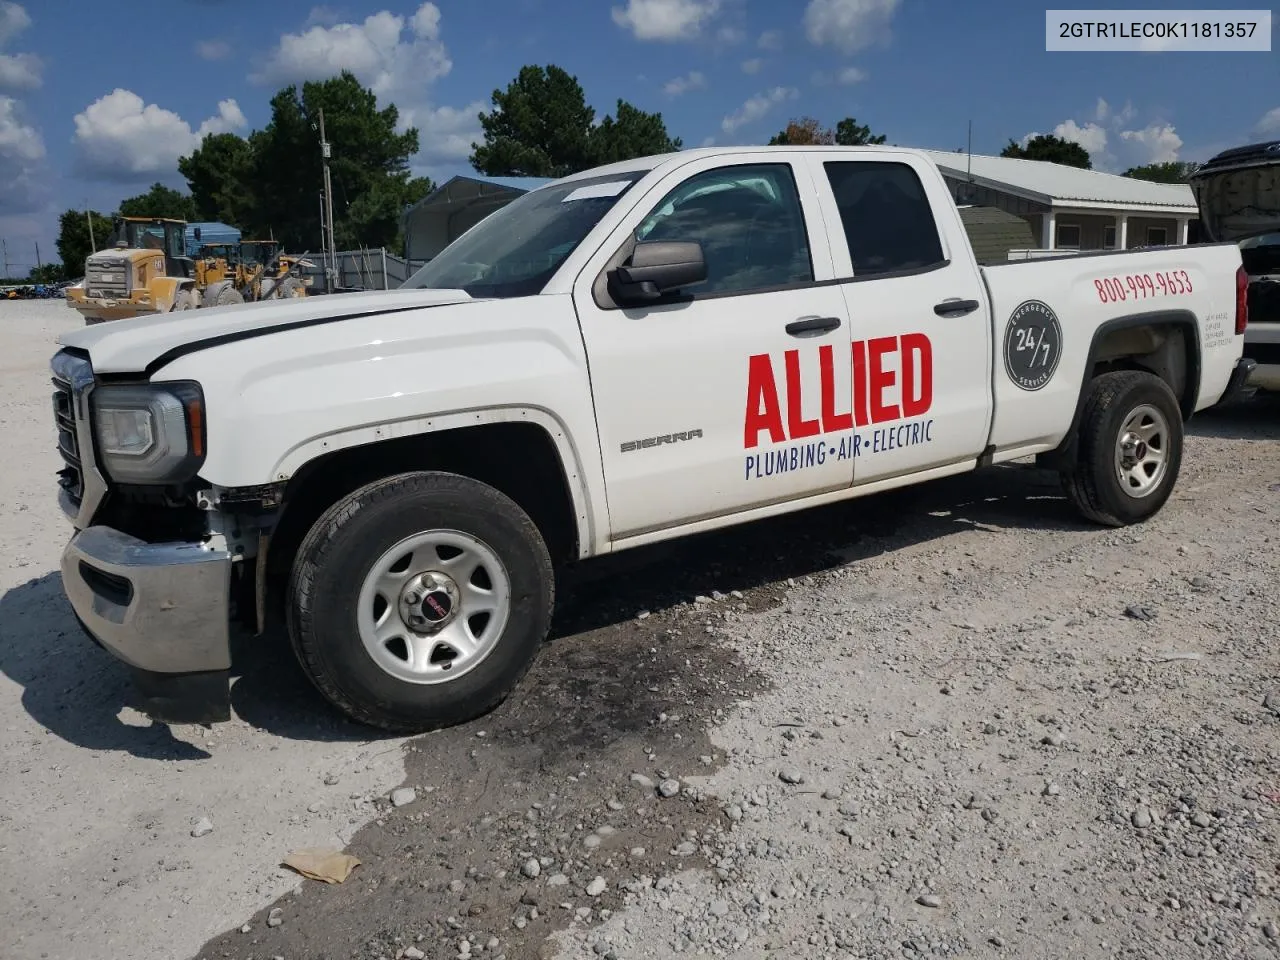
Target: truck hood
[
  {"x": 140, "y": 344},
  {"x": 1238, "y": 193}
]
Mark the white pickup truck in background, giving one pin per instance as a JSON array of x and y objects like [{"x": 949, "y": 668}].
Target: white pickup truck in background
[{"x": 631, "y": 354}]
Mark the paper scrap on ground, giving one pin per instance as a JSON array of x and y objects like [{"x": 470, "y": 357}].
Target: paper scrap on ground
[{"x": 317, "y": 863}]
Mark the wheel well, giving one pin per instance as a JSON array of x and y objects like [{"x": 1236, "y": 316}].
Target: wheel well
[
  {"x": 519, "y": 459},
  {"x": 1158, "y": 347},
  {"x": 1164, "y": 346}
]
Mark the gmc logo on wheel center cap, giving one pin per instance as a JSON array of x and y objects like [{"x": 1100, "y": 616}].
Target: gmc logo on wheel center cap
[{"x": 436, "y": 605}]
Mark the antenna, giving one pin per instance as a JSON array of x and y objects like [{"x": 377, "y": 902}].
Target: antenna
[{"x": 969, "y": 150}]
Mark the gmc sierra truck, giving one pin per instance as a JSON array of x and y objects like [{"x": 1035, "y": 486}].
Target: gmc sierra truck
[{"x": 631, "y": 354}]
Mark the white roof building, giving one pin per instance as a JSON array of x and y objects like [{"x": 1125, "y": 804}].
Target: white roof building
[{"x": 1070, "y": 208}]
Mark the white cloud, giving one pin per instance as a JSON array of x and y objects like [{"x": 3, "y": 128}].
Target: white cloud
[
  {"x": 120, "y": 138},
  {"x": 1157, "y": 142},
  {"x": 752, "y": 66},
  {"x": 849, "y": 25},
  {"x": 665, "y": 19},
  {"x": 708, "y": 141},
  {"x": 1113, "y": 141},
  {"x": 394, "y": 56},
  {"x": 445, "y": 134},
  {"x": 213, "y": 49},
  {"x": 18, "y": 71},
  {"x": 1090, "y": 136},
  {"x": 756, "y": 108},
  {"x": 682, "y": 85},
  {"x": 22, "y": 155},
  {"x": 728, "y": 36},
  {"x": 1269, "y": 125},
  {"x": 22, "y": 151},
  {"x": 398, "y": 58},
  {"x": 770, "y": 40},
  {"x": 13, "y": 20},
  {"x": 850, "y": 75}
]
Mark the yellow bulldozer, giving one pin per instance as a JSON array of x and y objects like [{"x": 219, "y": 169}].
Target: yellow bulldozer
[{"x": 143, "y": 269}]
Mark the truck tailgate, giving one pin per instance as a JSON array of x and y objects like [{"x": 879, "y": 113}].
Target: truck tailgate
[{"x": 1048, "y": 313}]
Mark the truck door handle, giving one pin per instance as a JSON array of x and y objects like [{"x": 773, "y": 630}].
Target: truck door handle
[
  {"x": 955, "y": 308},
  {"x": 812, "y": 326}
]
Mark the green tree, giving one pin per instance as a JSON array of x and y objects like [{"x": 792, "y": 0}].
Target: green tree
[
  {"x": 1175, "y": 171},
  {"x": 539, "y": 127},
  {"x": 369, "y": 166},
  {"x": 1053, "y": 149},
  {"x": 160, "y": 201},
  {"x": 850, "y": 133},
  {"x": 630, "y": 133},
  {"x": 542, "y": 126},
  {"x": 73, "y": 238},
  {"x": 46, "y": 273},
  {"x": 806, "y": 131},
  {"x": 219, "y": 174}
]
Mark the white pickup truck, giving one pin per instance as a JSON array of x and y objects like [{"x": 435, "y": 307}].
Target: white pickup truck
[{"x": 631, "y": 354}]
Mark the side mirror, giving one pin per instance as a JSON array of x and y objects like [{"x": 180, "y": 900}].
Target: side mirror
[{"x": 655, "y": 269}]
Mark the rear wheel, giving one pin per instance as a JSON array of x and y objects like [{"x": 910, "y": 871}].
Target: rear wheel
[
  {"x": 289, "y": 288},
  {"x": 420, "y": 601},
  {"x": 185, "y": 300},
  {"x": 1129, "y": 449}
]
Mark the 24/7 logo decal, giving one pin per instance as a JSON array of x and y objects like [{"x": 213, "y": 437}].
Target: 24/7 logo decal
[
  {"x": 892, "y": 384},
  {"x": 1032, "y": 345}
]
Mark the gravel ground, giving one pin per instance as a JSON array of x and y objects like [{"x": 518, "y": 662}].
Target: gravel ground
[{"x": 952, "y": 721}]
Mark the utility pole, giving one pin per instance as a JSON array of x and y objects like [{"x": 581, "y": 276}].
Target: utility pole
[
  {"x": 4, "y": 252},
  {"x": 93, "y": 244},
  {"x": 330, "y": 247},
  {"x": 39, "y": 264}
]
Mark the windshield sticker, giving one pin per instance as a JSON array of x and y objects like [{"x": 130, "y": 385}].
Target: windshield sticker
[
  {"x": 1032, "y": 345},
  {"x": 598, "y": 190},
  {"x": 892, "y": 396}
]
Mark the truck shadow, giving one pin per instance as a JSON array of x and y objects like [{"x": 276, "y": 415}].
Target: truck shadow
[{"x": 77, "y": 691}]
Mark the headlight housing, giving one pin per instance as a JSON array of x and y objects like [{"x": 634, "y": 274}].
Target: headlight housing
[{"x": 149, "y": 433}]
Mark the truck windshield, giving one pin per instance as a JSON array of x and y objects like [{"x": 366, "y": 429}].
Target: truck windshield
[{"x": 515, "y": 251}]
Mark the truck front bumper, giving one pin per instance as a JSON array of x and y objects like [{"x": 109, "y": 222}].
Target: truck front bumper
[{"x": 161, "y": 608}]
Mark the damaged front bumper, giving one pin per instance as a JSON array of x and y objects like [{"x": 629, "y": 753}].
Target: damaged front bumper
[{"x": 161, "y": 608}]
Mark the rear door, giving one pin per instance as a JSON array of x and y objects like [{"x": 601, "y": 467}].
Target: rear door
[
  {"x": 716, "y": 400},
  {"x": 918, "y": 309}
]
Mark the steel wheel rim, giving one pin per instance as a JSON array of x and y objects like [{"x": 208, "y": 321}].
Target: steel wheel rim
[
  {"x": 432, "y": 608},
  {"x": 1142, "y": 451}
]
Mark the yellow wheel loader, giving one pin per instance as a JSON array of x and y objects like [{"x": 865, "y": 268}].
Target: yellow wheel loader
[
  {"x": 249, "y": 271},
  {"x": 143, "y": 270}
]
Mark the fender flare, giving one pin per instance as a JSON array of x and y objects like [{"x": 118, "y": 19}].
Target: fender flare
[
  {"x": 1183, "y": 320},
  {"x": 298, "y": 456}
]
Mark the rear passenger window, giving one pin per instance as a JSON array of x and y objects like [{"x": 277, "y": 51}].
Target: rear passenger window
[
  {"x": 887, "y": 219},
  {"x": 749, "y": 222}
]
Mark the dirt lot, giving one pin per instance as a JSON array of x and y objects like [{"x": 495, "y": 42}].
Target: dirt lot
[{"x": 952, "y": 721}]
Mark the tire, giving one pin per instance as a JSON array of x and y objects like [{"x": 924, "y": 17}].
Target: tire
[
  {"x": 227, "y": 296},
  {"x": 1130, "y": 420},
  {"x": 185, "y": 300},
  {"x": 288, "y": 289},
  {"x": 350, "y": 628}
]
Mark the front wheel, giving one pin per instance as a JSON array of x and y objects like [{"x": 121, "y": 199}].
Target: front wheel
[
  {"x": 1129, "y": 448},
  {"x": 420, "y": 601}
]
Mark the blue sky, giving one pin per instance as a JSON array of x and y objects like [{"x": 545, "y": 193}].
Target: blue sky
[{"x": 95, "y": 106}]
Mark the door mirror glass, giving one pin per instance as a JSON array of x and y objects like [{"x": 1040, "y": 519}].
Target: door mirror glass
[{"x": 657, "y": 268}]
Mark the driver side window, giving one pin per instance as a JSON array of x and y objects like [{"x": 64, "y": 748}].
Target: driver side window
[{"x": 749, "y": 222}]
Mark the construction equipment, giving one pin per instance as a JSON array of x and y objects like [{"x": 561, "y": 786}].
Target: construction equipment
[
  {"x": 144, "y": 269},
  {"x": 251, "y": 270}
]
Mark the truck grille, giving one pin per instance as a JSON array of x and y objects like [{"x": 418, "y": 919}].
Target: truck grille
[
  {"x": 82, "y": 486},
  {"x": 107, "y": 282},
  {"x": 70, "y": 477}
]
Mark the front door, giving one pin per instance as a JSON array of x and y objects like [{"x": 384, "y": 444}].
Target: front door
[
  {"x": 716, "y": 400},
  {"x": 918, "y": 312}
]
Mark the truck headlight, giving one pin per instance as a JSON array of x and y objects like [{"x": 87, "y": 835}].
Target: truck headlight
[{"x": 149, "y": 433}]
